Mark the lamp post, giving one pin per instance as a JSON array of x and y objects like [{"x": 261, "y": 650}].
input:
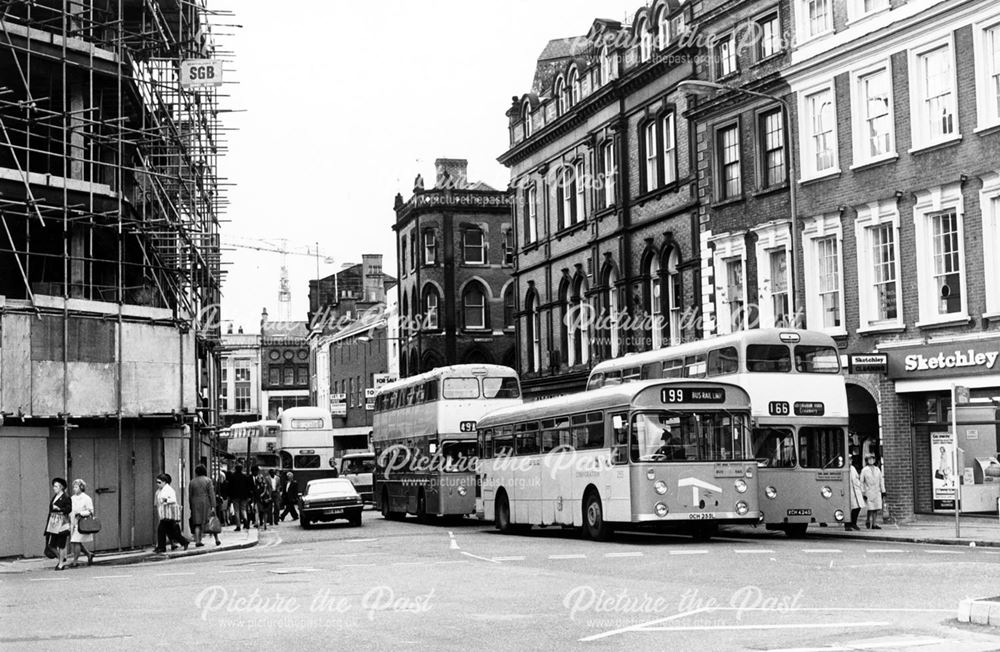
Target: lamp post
[{"x": 699, "y": 87}]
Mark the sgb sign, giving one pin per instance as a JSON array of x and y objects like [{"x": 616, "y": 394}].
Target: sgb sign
[{"x": 201, "y": 72}]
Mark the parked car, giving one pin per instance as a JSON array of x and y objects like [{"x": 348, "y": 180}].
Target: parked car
[{"x": 329, "y": 499}]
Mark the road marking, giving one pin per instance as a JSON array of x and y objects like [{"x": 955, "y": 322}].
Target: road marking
[
  {"x": 703, "y": 628},
  {"x": 239, "y": 570},
  {"x": 632, "y": 628},
  {"x": 945, "y": 552},
  {"x": 885, "y": 550},
  {"x": 453, "y": 561},
  {"x": 454, "y": 544},
  {"x": 511, "y": 558},
  {"x": 358, "y": 565},
  {"x": 469, "y": 554},
  {"x": 290, "y": 571},
  {"x": 623, "y": 554},
  {"x": 567, "y": 556},
  {"x": 753, "y": 551},
  {"x": 688, "y": 552},
  {"x": 49, "y": 579},
  {"x": 822, "y": 551},
  {"x": 409, "y": 563},
  {"x": 172, "y": 574},
  {"x": 359, "y": 540},
  {"x": 109, "y": 577}
]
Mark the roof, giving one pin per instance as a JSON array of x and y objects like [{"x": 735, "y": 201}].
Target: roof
[
  {"x": 446, "y": 370},
  {"x": 285, "y": 329},
  {"x": 561, "y": 48}
]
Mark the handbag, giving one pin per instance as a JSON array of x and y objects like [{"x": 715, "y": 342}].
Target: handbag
[
  {"x": 213, "y": 526},
  {"x": 89, "y": 525},
  {"x": 169, "y": 511},
  {"x": 58, "y": 523},
  {"x": 50, "y": 552}
]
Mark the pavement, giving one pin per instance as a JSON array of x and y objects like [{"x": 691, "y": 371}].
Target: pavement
[
  {"x": 927, "y": 529},
  {"x": 229, "y": 539}
]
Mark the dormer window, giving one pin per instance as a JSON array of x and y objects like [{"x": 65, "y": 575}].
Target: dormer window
[
  {"x": 574, "y": 85},
  {"x": 663, "y": 30},
  {"x": 607, "y": 69},
  {"x": 561, "y": 97},
  {"x": 645, "y": 42},
  {"x": 526, "y": 119}
]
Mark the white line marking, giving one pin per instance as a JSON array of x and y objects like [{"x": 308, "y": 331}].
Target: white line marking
[
  {"x": 239, "y": 570},
  {"x": 469, "y": 554},
  {"x": 357, "y": 565},
  {"x": 753, "y": 551},
  {"x": 567, "y": 556},
  {"x": 510, "y": 558},
  {"x": 409, "y": 563},
  {"x": 453, "y": 561},
  {"x": 688, "y": 552},
  {"x": 623, "y": 554},
  {"x": 172, "y": 574},
  {"x": 109, "y": 577},
  {"x": 703, "y": 628},
  {"x": 359, "y": 540},
  {"x": 885, "y": 550},
  {"x": 454, "y": 544},
  {"x": 49, "y": 579},
  {"x": 945, "y": 552},
  {"x": 288, "y": 571},
  {"x": 684, "y": 614},
  {"x": 822, "y": 551}
]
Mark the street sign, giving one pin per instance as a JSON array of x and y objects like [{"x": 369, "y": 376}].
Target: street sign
[
  {"x": 383, "y": 379},
  {"x": 369, "y": 406},
  {"x": 868, "y": 363},
  {"x": 201, "y": 72},
  {"x": 338, "y": 409},
  {"x": 338, "y": 397},
  {"x": 370, "y": 393}
]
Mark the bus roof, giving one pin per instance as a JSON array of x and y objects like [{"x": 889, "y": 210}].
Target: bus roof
[
  {"x": 493, "y": 370},
  {"x": 754, "y": 335},
  {"x": 597, "y": 399},
  {"x": 304, "y": 412}
]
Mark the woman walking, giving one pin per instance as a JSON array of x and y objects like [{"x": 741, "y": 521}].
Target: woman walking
[
  {"x": 57, "y": 527},
  {"x": 168, "y": 510},
  {"x": 873, "y": 488},
  {"x": 857, "y": 496},
  {"x": 261, "y": 497},
  {"x": 201, "y": 497},
  {"x": 82, "y": 506}
]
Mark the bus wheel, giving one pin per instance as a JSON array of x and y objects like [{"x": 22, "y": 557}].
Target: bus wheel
[
  {"x": 502, "y": 517},
  {"x": 796, "y": 530},
  {"x": 594, "y": 525},
  {"x": 422, "y": 507},
  {"x": 386, "y": 512},
  {"x": 706, "y": 532}
]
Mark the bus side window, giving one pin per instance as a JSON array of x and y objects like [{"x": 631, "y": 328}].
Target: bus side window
[
  {"x": 486, "y": 443},
  {"x": 694, "y": 366},
  {"x": 596, "y": 381},
  {"x": 619, "y": 438},
  {"x": 588, "y": 430},
  {"x": 527, "y": 438},
  {"x": 651, "y": 370},
  {"x": 431, "y": 390},
  {"x": 550, "y": 435},
  {"x": 723, "y": 361},
  {"x": 673, "y": 369},
  {"x": 630, "y": 374},
  {"x": 503, "y": 442}
]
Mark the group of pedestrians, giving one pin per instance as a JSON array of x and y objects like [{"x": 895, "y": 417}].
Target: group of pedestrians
[
  {"x": 62, "y": 529},
  {"x": 259, "y": 499},
  {"x": 867, "y": 491}
]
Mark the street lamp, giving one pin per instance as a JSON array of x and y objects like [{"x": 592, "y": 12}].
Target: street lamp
[{"x": 699, "y": 87}]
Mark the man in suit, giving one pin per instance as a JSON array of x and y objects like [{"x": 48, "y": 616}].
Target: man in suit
[
  {"x": 239, "y": 493},
  {"x": 290, "y": 497}
]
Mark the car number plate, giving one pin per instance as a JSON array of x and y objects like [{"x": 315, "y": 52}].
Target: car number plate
[{"x": 333, "y": 511}]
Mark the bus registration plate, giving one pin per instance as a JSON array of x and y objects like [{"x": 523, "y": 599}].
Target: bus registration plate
[
  {"x": 701, "y": 516},
  {"x": 799, "y": 512}
]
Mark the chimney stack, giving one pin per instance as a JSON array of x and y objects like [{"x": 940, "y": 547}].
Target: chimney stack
[{"x": 451, "y": 173}]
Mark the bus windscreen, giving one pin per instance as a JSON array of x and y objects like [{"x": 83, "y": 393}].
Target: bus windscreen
[
  {"x": 501, "y": 388},
  {"x": 665, "y": 436}
]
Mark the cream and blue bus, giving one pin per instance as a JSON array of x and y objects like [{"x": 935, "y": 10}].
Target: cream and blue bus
[
  {"x": 672, "y": 455},
  {"x": 424, "y": 436},
  {"x": 799, "y": 403},
  {"x": 305, "y": 443}
]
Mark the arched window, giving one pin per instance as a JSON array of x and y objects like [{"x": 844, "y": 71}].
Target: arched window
[
  {"x": 474, "y": 307},
  {"x": 405, "y": 314},
  {"x": 579, "y": 324},
  {"x": 612, "y": 309},
  {"x": 655, "y": 303},
  {"x": 508, "y": 307},
  {"x": 674, "y": 293},
  {"x": 402, "y": 366},
  {"x": 607, "y": 67},
  {"x": 564, "y": 304},
  {"x": 415, "y": 306},
  {"x": 431, "y": 303},
  {"x": 645, "y": 41},
  {"x": 574, "y": 86},
  {"x": 662, "y": 29},
  {"x": 533, "y": 332},
  {"x": 526, "y": 119},
  {"x": 561, "y": 97}
]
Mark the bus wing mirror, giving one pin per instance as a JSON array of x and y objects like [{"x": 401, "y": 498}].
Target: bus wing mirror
[{"x": 617, "y": 422}]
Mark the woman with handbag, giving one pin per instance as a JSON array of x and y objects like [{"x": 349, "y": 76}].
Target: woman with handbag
[
  {"x": 201, "y": 497},
  {"x": 169, "y": 511},
  {"x": 83, "y": 507},
  {"x": 57, "y": 527}
]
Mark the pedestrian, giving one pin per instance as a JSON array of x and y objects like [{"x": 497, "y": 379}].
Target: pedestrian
[
  {"x": 873, "y": 492},
  {"x": 222, "y": 496},
  {"x": 290, "y": 497},
  {"x": 169, "y": 512},
  {"x": 274, "y": 486},
  {"x": 261, "y": 497},
  {"x": 201, "y": 498},
  {"x": 239, "y": 495},
  {"x": 82, "y": 506},
  {"x": 57, "y": 527},
  {"x": 857, "y": 496}
]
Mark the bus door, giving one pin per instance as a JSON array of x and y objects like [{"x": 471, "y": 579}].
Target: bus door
[
  {"x": 557, "y": 472},
  {"x": 823, "y": 462},
  {"x": 527, "y": 489},
  {"x": 618, "y": 504},
  {"x": 777, "y": 475}
]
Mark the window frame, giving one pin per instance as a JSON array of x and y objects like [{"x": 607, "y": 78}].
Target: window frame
[
  {"x": 531, "y": 214},
  {"x": 484, "y": 308},
  {"x": 668, "y": 148},
  {"x": 869, "y": 217},
  {"x": 728, "y": 247},
  {"x": 509, "y": 308},
  {"x": 930, "y": 204},
  {"x": 860, "y": 118},
  {"x": 989, "y": 202},
  {"x": 429, "y": 248},
  {"x": 721, "y": 165},
  {"x": 772, "y": 237},
  {"x": 609, "y": 172},
  {"x": 725, "y": 42},
  {"x": 986, "y": 116},
  {"x": 579, "y": 191},
  {"x": 768, "y": 17},
  {"x": 431, "y": 292},
  {"x": 919, "y": 121},
  {"x": 804, "y": 31},
  {"x": 807, "y": 137},
  {"x": 763, "y": 170},
  {"x": 650, "y": 156},
  {"x": 816, "y": 229},
  {"x": 482, "y": 246}
]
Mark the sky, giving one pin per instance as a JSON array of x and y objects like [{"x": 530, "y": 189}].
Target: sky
[{"x": 338, "y": 105}]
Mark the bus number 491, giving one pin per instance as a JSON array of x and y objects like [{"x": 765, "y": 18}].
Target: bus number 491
[{"x": 467, "y": 426}]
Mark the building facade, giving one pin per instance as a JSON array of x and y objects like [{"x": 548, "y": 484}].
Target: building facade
[
  {"x": 455, "y": 293},
  {"x": 284, "y": 363},
  {"x": 606, "y": 209},
  {"x": 239, "y": 378},
  {"x": 110, "y": 261}
]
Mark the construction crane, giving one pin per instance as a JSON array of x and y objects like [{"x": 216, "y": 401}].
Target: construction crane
[{"x": 280, "y": 246}]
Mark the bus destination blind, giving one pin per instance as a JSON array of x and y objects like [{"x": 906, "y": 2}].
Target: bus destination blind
[{"x": 693, "y": 395}]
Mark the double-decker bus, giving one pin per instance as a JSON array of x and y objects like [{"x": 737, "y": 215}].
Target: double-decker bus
[
  {"x": 305, "y": 443},
  {"x": 255, "y": 443},
  {"x": 799, "y": 403},
  {"x": 670, "y": 455},
  {"x": 424, "y": 436}
]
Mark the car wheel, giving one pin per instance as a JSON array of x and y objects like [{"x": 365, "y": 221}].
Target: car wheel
[
  {"x": 594, "y": 525},
  {"x": 356, "y": 520},
  {"x": 305, "y": 522}
]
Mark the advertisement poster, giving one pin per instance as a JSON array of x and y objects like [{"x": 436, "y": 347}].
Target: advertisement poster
[{"x": 943, "y": 468}]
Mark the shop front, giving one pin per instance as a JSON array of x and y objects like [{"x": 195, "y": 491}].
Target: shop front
[{"x": 925, "y": 377}]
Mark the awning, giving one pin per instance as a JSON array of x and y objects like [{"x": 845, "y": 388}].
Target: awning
[
  {"x": 944, "y": 384},
  {"x": 352, "y": 432}
]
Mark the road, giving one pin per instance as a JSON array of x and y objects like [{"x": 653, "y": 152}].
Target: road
[{"x": 403, "y": 585}]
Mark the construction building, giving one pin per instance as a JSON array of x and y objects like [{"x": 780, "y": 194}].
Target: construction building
[{"x": 109, "y": 257}]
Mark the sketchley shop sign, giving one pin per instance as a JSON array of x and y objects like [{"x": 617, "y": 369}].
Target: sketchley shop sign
[{"x": 942, "y": 360}]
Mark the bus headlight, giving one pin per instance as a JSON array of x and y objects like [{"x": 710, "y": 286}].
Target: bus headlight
[
  {"x": 661, "y": 487},
  {"x": 462, "y": 490},
  {"x": 826, "y": 492},
  {"x": 650, "y": 474},
  {"x": 661, "y": 510},
  {"x": 770, "y": 491},
  {"x": 749, "y": 472},
  {"x": 742, "y": 508},
  {"x": 839, "y": 515},
  {"x": 741, "y": 486}
]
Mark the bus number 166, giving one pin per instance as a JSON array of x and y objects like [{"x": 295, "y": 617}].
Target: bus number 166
[{"x": 778, "y": 408}]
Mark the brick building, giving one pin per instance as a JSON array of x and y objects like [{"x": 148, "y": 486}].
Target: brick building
[
  {"x": 455, "y": 250},
  {"x": 898, "y": 133},
  {"x": 606, "y": 208},
  {"x": 284, "y": 363},
  {"x": 357, "y": 287}
]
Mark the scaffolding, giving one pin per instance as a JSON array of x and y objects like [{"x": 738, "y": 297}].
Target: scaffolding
[{"x": 109, "y": 183}]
